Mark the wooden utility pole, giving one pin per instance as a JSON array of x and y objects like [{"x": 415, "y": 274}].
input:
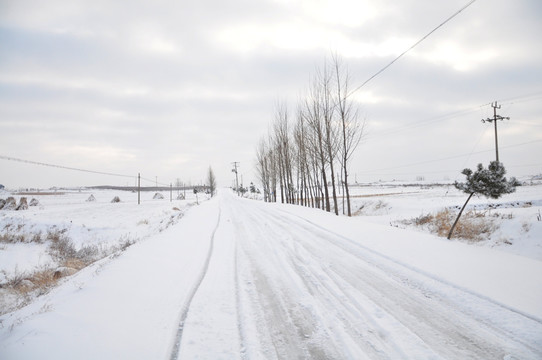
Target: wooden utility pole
[
  {"x": 235, "y": 164},
  {"x": 494, "y": 121},
  {"x": 138, "y": 188}
]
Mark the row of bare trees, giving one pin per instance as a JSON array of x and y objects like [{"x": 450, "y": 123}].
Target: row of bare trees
[{"x": 304, "y": 158}]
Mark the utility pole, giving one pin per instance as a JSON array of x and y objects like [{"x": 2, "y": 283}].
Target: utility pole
[
  {"x": 235, "y": 164},
  {"x": 138, "y": 188},
  {"x": 494, "y": 120}
]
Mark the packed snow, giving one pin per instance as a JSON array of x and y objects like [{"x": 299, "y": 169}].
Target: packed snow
[{"x": 233, "y": 278}]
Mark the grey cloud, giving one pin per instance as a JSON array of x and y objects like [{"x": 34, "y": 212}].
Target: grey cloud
[{"x": 157, "y": 80}]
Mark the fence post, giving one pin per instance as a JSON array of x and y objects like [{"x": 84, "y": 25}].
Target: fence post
[{"x": 170, "y": 192}]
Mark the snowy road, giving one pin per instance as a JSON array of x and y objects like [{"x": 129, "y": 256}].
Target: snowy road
[
  {"x": 240, "y": 279},
  {"x": 279, "y": 286}
]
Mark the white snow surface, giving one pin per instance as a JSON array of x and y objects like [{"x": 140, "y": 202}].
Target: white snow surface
[
  {"x": 517, "y": 216},
  {"x": 242, "y": 279}
]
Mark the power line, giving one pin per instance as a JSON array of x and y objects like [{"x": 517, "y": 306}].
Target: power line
[
  {"x": 527, "y": 165},
  {"x": 154, "y": 181},
  {"x": 454, "y": 114},
  {"x": 523, "y": 98},
  {"x": 426, "y": 122},
  {"x": 63, "y": 167},
  {"x": 452, "y": 157},
  {"x": 410, "y": 48},
  {"x": 440, "y": 171},
  {"x": 77, "y": 169},
  {"x": 443, "y": 171}
]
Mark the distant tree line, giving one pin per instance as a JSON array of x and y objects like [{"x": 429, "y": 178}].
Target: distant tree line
[{"x": 304, "y": 158}]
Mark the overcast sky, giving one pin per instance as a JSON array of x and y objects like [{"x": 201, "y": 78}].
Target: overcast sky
[{"x": 169, "y": 88}]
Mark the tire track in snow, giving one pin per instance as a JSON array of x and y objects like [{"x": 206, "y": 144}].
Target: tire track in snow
[
  {"x": 288, "y": 326},
  {"x": 481, "y": 310},
  {"x": 466, "y": 320},
  {"x": 270, "y": 338},
  {"x": 239, "y": 307},
  {"x": 302, "y": 330},
  {"x": 365, "y": 249},
  {"x": 186, "y": 306},
  {"x": 444, "y": 326}
]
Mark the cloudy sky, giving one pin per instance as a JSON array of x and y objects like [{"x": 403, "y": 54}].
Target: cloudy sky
[{"x": 168, "y": 88}]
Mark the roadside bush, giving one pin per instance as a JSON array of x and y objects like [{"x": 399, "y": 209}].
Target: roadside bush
[
  {"x": 369, "y": 208},
  {"x": 12, "y": 235},
  {"x": 21, "y": 288},
  {"x": 62, "y": 249},
  {"x": 26, "y": 285},
  {"x": 41, "y": 279},
  {"x": 125, "y": 242},
  {"x": 474, "y": 226}
]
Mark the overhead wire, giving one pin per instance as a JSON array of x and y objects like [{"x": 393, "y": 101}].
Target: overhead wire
[
  {"x": 439, "y": 118},
  {"x": 63, "y": 167},
  {"x": 426, "y": 122},
  {"x": 9, "y": 158},
  {"x": 452, "y": 157},
  {"x": 523, "y": 98},
  {"x": 513, "y": 100},
  {"x": 454, "y": 114},
  {"x": 410, "y": 48}
]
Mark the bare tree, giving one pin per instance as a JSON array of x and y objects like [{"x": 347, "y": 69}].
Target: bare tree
[
  {"x": 283, "y": 146},
  {"x": 211, "y": 181},
  {"x": 303, "y": 170},
  {"x": 351, "y": 125},
  {"x": 262, "y": 168},
  {"x": 330, "y": 142},
  {"x": 300, "y": 159},
  {"x": 316, "y": 140}
]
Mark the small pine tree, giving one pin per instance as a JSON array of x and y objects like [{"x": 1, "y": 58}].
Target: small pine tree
[{"x": 488, "y": 182}]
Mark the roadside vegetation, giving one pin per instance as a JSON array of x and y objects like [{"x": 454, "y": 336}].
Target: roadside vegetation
[
  {"x": 478, "y": 223},
  {"x": 21, "y": 287},
  {"x": 305, "y": 158},
  {"x": 42, "y": 246},
  {"x": 474, "y": 225}
]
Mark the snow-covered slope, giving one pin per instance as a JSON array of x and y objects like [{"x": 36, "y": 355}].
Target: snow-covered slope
[
  {"x": 236, "y": 278},
  {"x": 119, "y": 308}
]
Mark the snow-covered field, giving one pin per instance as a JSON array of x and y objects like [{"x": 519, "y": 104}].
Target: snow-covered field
[
  {"x": 235, "y": 278},
  {"x": 99, "y": 225},
  {"x": 516, "y": 217}
]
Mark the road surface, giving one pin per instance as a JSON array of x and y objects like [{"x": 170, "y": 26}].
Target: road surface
[
  {"x": 278, "y": 286},
  {"x": 241, "y": 279}
]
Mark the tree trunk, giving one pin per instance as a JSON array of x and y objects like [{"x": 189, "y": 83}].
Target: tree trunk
[
  {"x": 334, "y": 192},
  {"x": 458, "y": 216},
  {"x": 326, "y": 190},
  {"x": 347, "y": 190}
]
